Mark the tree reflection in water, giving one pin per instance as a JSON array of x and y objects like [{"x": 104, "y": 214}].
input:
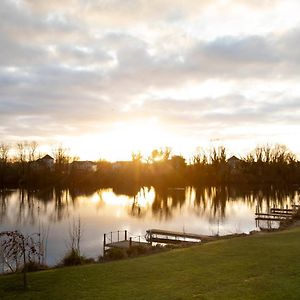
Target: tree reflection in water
[{"x": 27, "y": 206}]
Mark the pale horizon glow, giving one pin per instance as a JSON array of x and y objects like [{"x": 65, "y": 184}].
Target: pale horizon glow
[{"x": 108, "y": 78}]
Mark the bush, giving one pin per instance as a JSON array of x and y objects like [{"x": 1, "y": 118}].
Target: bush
[
  {"x": 86, "y": 260},
  {"x": 34, "y": 267},
  {"x": 73, "y": 258},
  {"x": 132, "y": 251},
  {"x": 114, "y": 253}
]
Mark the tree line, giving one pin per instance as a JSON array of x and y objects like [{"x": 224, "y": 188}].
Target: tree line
[{"x": 264, "y": 165}]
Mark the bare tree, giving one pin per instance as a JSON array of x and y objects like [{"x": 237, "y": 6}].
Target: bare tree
[
  {"x": 218, "y": 156},
  {"x": 16, "y": 246},
  {"x": 136, "y": 156},
  {"x": 200, "y": 158},
  {"x": 4, "y": 151},
  {"x": 62, "y": 158},
  {"x": 282, "y": 155},
  {"x": 75, "y": 235},
  {"x": 32, "y": 150},
  {"x": 21, "y": 152},
  {"x": 163, "y": 154}
]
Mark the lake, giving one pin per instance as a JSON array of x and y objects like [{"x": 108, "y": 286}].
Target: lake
[{"x": 202, "y": 210}]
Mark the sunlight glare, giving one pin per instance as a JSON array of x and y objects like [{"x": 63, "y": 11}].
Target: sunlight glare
[{"x": 118, "y": 142}]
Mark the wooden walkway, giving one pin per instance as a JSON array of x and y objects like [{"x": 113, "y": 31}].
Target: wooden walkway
[
  {"x": 126, "y": 244},
  {"x": 174, "y": 237},
  {"x": 122, "y": 240},
  {"x": 276, "y": 215}
]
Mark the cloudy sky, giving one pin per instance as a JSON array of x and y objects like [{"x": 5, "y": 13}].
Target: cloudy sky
[{"x": 105, "y": 77}]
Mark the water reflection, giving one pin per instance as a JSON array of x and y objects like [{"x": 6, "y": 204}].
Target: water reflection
[{"x": 203, "y": 210}]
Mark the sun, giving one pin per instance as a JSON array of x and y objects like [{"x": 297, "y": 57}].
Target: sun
[{"x": 120, "y": 140}]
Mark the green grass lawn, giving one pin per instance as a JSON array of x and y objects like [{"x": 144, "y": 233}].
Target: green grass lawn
[{"x": 263, "y": 266}]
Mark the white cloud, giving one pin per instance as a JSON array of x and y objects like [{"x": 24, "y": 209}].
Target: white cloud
[{"x": 69, "y": 67}]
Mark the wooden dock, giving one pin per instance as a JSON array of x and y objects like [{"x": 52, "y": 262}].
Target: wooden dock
[
  {"x": 124, "y": 240},
  {"x": 121, "y": 239},
  {"x": 126, "y": 244},
  {"x": 174, "y": 237},
  {"x": 276, "y": 214}
]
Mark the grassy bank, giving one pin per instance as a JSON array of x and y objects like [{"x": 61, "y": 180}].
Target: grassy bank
[{"x": 263, "y": 266}]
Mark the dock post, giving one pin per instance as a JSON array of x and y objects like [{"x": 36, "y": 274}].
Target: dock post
[
  {"x": 104, "y": 243},
  {"x": 125, "y": 235},
  {"x": 130, "y": 242},
  {"x": 118, "y": 235}
]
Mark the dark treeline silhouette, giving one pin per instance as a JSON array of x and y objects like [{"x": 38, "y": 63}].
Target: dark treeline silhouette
[{"x": 264, "y": 165}]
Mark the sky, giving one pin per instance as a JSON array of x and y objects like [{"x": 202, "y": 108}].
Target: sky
[{"x": 108, "y": 77}]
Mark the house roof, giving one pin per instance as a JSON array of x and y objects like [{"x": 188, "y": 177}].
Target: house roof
[
  {"x": 232, "y": 158},
  {"x": 47, "y": 156}
]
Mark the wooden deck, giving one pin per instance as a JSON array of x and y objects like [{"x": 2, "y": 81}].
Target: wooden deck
[
  {"x": 174, "y": 237},
  {"x": 126, "y": 244},
  {"x": 125, "y": 240},
  {"x": 122, "y": 240},
  {"x": 276, "y": 215}
]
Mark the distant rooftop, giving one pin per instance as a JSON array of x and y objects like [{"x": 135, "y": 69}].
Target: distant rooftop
[
  {"x": 47, "y": 156},
  {"x": 233, "y": 158}
]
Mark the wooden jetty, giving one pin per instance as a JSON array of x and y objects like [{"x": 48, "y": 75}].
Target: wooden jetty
[
  {"x": 122, "y": 240},
  {"x": 282, "y": 212},
  {"x": 276, "y": 215},
  {"x": 174, "y": 237}
]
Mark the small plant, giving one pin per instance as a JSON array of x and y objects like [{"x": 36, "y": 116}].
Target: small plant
[
  {"x": 114, "y": 254},
  {"x": 72, "y": 258},
  {"x": 34, "y": 266},
  {"x": 75, "y": 235}
]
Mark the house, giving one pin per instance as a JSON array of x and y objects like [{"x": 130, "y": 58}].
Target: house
[
  {"x": 83, "y": 166},
  {"x": 44, "y": 163},
  {"x": 233, "y": 162}
]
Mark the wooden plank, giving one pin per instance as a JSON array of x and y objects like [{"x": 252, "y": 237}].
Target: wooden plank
[
  {"x": 126, "y": 244},
  {"x": 282, "y": 210},
  {"x": 172, "y": 241},
  {"x": 284, "y": 216},
  {"x": 176, "y": 234},
  {"x": 268, "y": 219}
]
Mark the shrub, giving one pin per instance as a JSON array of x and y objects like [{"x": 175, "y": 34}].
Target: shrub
[
  {"x": 34, "y": 267},
  {"x": 72, "y": 258},
  {"x": 114, "y": 253},
  {"x": 132, "y": 251}
]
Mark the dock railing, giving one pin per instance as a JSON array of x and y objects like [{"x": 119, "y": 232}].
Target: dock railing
[
  {"x": 114, "y": 236},
  {"x": 275, "y": 215},
  {"x": 111, "y": 239}
]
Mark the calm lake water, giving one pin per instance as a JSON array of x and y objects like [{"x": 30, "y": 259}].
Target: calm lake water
[{"x": 211, "y": 210}]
